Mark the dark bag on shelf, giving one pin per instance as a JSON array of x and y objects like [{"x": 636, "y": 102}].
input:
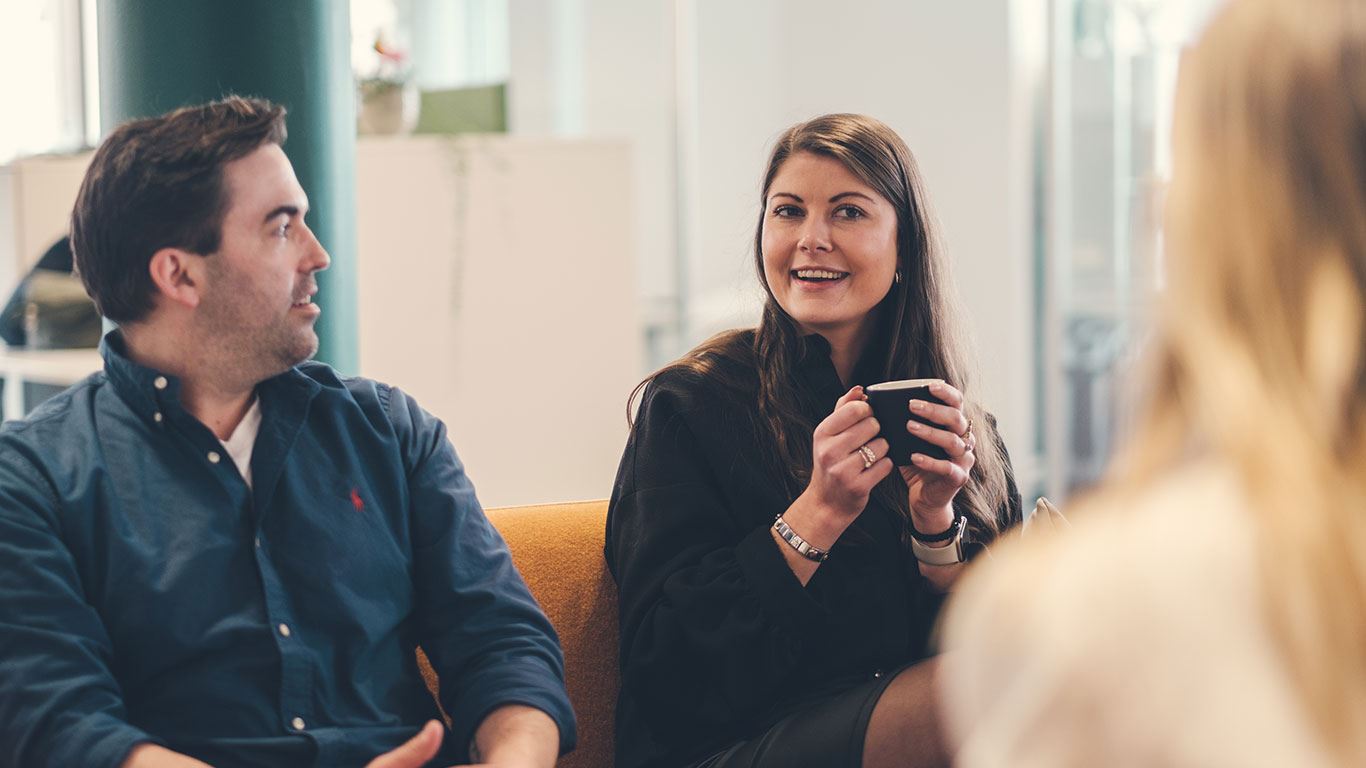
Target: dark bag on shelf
[{"x": 57, "y": 313}]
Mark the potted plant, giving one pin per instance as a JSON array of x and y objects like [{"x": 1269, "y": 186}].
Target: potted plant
[{"x": 387, "y": 96}]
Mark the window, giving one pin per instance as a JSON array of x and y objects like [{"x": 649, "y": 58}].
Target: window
[
  {"x": 42, "y": 74},
  {"x": 1113, "y": 81}
]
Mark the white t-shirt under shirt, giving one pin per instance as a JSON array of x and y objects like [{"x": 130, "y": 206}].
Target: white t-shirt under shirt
[{"x": 243, "y": 439}]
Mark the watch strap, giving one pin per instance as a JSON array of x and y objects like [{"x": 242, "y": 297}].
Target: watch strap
[
  {"x": 954, "y": 530},
  {"x": 949, "y": 555}
]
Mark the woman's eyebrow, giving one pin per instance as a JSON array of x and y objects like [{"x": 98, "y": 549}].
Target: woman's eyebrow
[{"x": 843, "y": 195}]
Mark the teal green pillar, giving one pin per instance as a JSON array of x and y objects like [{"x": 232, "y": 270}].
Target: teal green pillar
[{"x": 156, "y": 55}]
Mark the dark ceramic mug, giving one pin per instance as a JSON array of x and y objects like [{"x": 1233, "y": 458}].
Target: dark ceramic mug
[{"x": 891, "y": 407}]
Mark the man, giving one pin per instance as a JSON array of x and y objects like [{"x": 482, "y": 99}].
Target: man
[{"x": 214, "y": 552}]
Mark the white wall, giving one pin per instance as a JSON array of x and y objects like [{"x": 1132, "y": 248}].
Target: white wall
[{"x": 951, "y": 77}]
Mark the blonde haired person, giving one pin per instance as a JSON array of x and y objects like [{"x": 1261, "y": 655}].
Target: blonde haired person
[{"x": 1209, "y": 606}]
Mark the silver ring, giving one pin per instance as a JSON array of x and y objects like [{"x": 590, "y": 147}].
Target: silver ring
[{"x": 869, "y": 458}]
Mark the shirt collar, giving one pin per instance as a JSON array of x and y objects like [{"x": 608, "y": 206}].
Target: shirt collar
[
  {"x": 817, "y": 367},
  {"x": 155, "y": 395},
  {"x": 147, "y": 391}
]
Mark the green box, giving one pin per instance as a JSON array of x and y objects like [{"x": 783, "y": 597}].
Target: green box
[{"x": 480, "y": 109}]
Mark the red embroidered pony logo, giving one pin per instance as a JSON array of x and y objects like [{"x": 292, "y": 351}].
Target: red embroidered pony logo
[{"x": 356, "y": 500}]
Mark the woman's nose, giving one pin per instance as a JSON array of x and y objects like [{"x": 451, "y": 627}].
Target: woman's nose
[{"x": 814, "y": 237}]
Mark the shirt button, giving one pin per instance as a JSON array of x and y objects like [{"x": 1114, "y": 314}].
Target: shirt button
[
  {"x": 214, "y": 457},
  {"x": 298, "y": 723},
  {"x": 877, "y": 673},
  {"x": 157, "y": 417},
  {"x": 159, "y": 382},
  {"x": 284, "y": 632}
]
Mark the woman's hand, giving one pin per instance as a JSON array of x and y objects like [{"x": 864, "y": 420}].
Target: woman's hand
[
  {"x": 842, "y": 476},
  {"x": 933, "y": 483}
]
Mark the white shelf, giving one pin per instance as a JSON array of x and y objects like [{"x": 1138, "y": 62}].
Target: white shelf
[{"x": 60, "y": 367}]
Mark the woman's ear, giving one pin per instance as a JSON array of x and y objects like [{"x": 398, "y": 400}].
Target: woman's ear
[{"x": 177, "y": 276}]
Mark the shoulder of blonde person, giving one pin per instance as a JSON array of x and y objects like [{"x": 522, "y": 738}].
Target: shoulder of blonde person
[{"x": 1135, "y": 637}]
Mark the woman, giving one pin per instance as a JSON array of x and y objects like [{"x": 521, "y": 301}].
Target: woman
[
  {"x": 741, "y": 646},
  {"x": 1209, "y": 606}
]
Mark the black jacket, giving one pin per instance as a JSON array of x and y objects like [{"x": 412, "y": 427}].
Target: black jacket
[{"x": 718, "y": 638}]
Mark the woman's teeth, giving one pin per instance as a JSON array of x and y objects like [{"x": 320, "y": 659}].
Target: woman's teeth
[{"x": 818, "y": 274}]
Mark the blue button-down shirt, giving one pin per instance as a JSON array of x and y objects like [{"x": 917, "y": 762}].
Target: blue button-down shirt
[{"x": 148, "y": 595}]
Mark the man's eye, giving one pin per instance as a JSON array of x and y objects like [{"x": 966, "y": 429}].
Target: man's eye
[{"x": 283, "y": 230}]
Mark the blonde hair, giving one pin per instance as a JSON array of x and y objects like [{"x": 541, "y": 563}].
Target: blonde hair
[{"x": 1260, "y": 357}]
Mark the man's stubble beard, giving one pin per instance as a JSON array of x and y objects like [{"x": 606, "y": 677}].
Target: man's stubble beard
[{"x": 233, "y": 337}]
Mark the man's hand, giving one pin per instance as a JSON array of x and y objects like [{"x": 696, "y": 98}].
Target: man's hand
[
  {"x": 512, "y": 736},
  {"x": 415, "y": 752},
  {"x": 152, "y": 756}
]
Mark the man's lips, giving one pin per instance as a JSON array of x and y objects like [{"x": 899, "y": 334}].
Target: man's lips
[{"x": 306, "y": 297}]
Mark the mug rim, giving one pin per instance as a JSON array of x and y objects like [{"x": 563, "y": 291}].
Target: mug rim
[{"x": 900, "y": 384}]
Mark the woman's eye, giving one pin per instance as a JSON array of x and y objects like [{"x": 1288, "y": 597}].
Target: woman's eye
[
  {"x": 849, "y": 212},
  {"x": 787, "y": 211}
]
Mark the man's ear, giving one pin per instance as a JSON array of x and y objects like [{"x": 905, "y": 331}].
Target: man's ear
[{"x": 178, "y": 276}]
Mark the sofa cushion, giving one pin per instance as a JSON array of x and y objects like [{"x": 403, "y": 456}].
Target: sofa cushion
[{"x": 558, "y": 549}]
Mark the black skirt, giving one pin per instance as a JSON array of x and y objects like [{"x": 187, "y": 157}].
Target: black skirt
[{"x": 827, "y": 734}]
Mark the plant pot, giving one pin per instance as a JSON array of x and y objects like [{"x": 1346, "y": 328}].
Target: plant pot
[{"x": 387, "y": 109}]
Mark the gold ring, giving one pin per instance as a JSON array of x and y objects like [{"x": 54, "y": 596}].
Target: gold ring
[
  {"x": 967, "y": 430},
  {"x": 869, "y": 458}
]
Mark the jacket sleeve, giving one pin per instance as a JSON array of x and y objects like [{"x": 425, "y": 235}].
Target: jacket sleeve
[
  {"x": 484, "y": 633},
  {"x": 59, "y": 702},
  {"x": 712, "y": 618}
]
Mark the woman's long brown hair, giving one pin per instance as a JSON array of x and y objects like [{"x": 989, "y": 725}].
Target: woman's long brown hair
[{"x": 917, "y": 333}]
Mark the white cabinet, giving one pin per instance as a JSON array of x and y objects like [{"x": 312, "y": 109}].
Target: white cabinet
[{"x": 496, "y": 285}]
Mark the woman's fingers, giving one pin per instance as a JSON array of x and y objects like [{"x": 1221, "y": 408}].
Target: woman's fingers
[
  {"x": 853, "y": 471},
  {"x": 955, "y": 446},
  {"x": 849, "y": 410},
  {"x": 948, "y": 393},
  {"x": 952, "y": 472},
  {"x": 836, "y": 447},
  {"x": 951, "y": 418}
]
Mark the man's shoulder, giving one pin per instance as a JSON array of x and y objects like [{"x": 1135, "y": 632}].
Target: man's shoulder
[
  {"x": 55, "y": 437},
  {"x": 67, "y": 411},
  {"x": 377, "y": 399},
  {"x": 359, "y": 388}
]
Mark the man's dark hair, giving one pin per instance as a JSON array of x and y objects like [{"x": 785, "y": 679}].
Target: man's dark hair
[{"x": 158, "y": 183}]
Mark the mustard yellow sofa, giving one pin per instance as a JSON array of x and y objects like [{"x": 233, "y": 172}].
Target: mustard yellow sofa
[{"x": 558, "y": 549}]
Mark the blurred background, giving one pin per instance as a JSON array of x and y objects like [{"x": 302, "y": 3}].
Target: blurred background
[{"x": 533, "y": 203}]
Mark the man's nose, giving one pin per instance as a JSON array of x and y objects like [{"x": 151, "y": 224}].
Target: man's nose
[{"x": 318, "y": 258}]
